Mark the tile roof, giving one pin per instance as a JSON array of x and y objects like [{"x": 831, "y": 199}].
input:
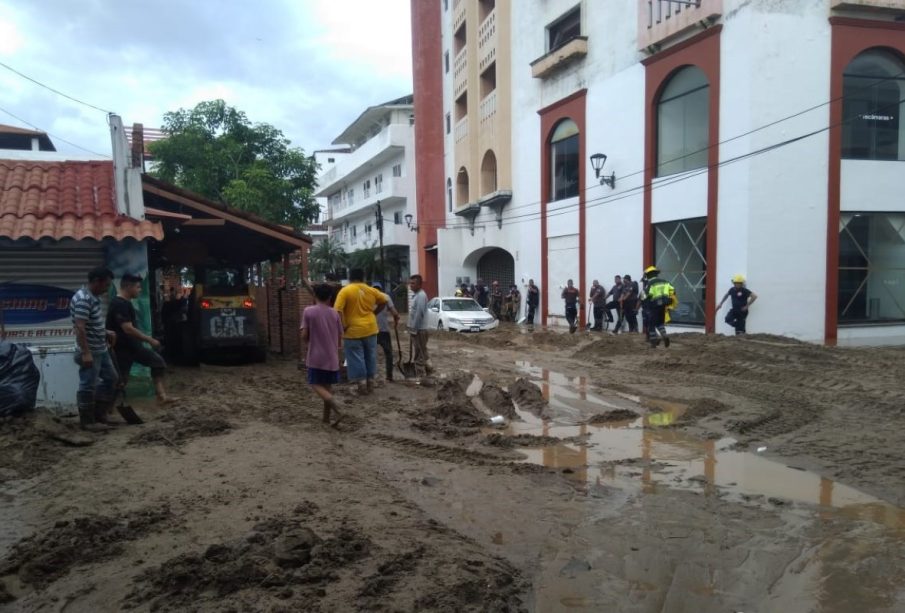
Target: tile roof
[{"x": 64, "y": 200}]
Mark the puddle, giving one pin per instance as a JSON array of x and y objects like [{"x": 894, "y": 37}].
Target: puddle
[{"x": 643, "y": 455}]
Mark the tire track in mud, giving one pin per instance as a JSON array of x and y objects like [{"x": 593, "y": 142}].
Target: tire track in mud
[{"x": 415, "y": 447}]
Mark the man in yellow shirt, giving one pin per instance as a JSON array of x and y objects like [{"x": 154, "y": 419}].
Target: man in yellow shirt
[{"x": 358, "y": 305}]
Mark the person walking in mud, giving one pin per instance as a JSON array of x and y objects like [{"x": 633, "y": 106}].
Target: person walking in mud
[
  {"x": 532, "y": 300},
  {"x": 572, "y": 298},
  {"x": 480, "y": 293},
  {"x": 384, "y": 341},
  {"x": 742, "y": 298},
  {"x": 322, "y": 330},
  {"x": 130, "y": 348},
  {"x": 615, "y": 294},
  {"x": 657, "y": 298},
  {"x": 358, "y": 304},
  {"x": 97, "y": 373},
  {"x": 628, "y": 304},
  {"x": 496, "y": 300},
  {"x": 417, "y": 326},
  {"x": 597, "y": 300}
]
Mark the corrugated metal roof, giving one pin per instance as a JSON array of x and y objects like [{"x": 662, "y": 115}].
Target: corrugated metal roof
[{"x": 64, "y": 200}]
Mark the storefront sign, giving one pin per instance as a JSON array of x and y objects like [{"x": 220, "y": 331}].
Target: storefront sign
[{"x": 36, "y": 313}]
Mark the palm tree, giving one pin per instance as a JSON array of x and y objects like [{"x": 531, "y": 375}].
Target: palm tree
[{"x": 327, "y": 256}]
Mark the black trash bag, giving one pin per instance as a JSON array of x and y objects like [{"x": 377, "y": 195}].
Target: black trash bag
[{"x": 19, "y": 379}]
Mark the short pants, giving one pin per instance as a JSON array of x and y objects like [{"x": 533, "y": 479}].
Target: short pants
[{"x": 317, "y": 376}]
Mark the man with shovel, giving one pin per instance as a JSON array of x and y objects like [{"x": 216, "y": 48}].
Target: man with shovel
[
  {"x": 417, "y": 325},
  {"x": 130, "y": 348}
]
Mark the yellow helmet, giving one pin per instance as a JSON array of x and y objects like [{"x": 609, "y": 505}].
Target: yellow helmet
[
  {"x": 738, "y": 279},
  {"x": 651, "y": 269}
]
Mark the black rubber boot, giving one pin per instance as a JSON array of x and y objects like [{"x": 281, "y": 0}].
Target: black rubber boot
[
  {"x": 103, "y": 406},
  {"x": 85, "y": 402}
]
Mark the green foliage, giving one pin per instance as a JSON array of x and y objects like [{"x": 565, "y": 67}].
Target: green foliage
[
  {"x": 214, "y": 150},
  {"x": 368, "y": 260},
  {"x": 327, "y": 256}
]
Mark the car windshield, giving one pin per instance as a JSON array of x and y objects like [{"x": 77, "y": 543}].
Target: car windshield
[{"x": 461, "y": 305}]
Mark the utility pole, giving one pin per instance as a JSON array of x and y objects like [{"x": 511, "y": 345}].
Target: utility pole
[{"x": 383, "y": 271}]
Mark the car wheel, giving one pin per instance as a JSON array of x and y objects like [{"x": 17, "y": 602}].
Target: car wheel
[{"x": 440, "y": 325}]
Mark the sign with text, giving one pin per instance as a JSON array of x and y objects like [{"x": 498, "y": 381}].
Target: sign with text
[{"x": 36, "y": 314}]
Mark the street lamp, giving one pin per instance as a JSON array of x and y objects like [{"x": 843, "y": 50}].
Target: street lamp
[
  {"x": 408, "y": 221},
  {"x": 597, "y": 162}
]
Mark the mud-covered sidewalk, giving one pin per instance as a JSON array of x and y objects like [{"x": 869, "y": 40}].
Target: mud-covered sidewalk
[{"x": 722, "y": 474}]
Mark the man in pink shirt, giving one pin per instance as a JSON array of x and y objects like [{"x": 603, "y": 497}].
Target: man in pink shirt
[{"x": 323, "y": 331}]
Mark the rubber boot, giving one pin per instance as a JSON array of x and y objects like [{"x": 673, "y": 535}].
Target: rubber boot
[
  {"x": 103, "y": 407},
  {"x": 85, "y": 402}
]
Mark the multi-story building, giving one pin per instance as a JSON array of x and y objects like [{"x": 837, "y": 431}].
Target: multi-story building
[
  {"x": 761, "y": 138},
  {"x": 373, "y": 178}
]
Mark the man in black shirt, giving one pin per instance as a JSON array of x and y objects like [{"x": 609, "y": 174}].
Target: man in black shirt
[
  {"x": 616, "y": 294},
  {"x": 742, "y": 298},
  {"x": 532, "y": 301},
  {"x": 130, "y": 348},
  {"x": 480, "y": 293},
  {"x": 571, "y": 296},
  {"x": 598, "y": 302},
  {"x": 629, "y": 303}
]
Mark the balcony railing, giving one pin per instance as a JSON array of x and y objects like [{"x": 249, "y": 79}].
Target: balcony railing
[
  {"x": 461, "y": 129},
  {"x": 488, "y": 106},
  {"x": 487, "y": 41},
  {"x": 460, "y": 73},
  {"x": 661, "y": 20},
  {"x": 392, "y": 190},
  {"x": 387, "y": 143}
]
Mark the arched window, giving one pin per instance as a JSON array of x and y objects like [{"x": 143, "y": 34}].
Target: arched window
[
  {"x": 488, "y": 173},
  {"x": 564, "y": 162},
  {"x": 873, "y": 87},
  {"x": 449, "y": 200},
  {"x": 462, "y": 188},
  {"x": 683, "y": 115}
]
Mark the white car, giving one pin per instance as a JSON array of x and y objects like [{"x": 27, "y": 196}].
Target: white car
[{"x": 459, "y": 315}]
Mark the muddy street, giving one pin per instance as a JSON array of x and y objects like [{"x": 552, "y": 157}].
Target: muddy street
[{"x": 725, "y": 474}]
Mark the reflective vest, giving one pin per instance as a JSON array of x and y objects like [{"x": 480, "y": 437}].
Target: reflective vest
[{"x": 660, "y": 292}]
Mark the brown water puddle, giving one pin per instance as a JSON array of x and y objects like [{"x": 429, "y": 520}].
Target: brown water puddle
[{"x": 644, "y": 454}]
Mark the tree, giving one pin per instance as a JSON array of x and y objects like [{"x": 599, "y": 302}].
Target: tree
[
  {"x": 327, "y": 256},
  {"x": 368, "y": 260},
  {"x": 214, "y": 150}
]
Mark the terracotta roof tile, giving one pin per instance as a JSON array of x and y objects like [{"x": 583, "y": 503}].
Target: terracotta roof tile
[{"x": 64, "y": 200}]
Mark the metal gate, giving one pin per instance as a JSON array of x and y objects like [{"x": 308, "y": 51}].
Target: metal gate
[{"x": 497, "y": 265}]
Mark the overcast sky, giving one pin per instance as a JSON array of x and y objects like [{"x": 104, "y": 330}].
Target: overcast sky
[{"x": 308, "y": 67}]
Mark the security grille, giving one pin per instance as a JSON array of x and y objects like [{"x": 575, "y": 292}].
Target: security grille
[
  {"x": 497, "y": 265},
  {"x": 681, "y": 256},
  {"x": 871, "y": 267}
]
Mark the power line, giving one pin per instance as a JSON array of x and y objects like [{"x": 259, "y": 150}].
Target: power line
[
  {"x": 59, "y": 138},
  {"x": 56, "y": 91},
  {"x": 593, "y": 203},
  {"x": 852, "y": 93}
]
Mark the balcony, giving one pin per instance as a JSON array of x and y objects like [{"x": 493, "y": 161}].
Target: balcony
[
  {"x": 871, "y": 5},
  {"x": 459, "y": 11},
  {"x": 662, "y": 20},
  {"x": 394, "y": 190},
  {"x": 487, "y": 41},
  {"x": 460, "y": 73},
  {"x": 461, "y": 131},
  {"x": 390, "y": 142},
  {"x": 546, "y": 65}
]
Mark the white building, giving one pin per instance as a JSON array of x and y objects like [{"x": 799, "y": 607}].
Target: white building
[
  {"x": 762, "y": 138},
  {"x": 377, "y": 173}
]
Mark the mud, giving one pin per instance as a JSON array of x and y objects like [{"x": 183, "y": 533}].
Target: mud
[
  {"x": 741, "y": 474},
  {"x": 498, "y": 401},
  {"x": 615, "y": 415},
  {"x": 280, "y": 555},
  {"x": 41, "y": 559},
  {"x": 178, "y": 428},
  {"x": 528, "y": 397}
]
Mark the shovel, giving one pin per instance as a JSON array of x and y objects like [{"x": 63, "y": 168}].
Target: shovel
[
  {"x": 406, "y": 368},
  {"x": 127, "y": 412}
]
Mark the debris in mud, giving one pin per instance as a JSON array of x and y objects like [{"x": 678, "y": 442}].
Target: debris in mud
[
  {"x": 454, "y": 407},
  {"x": 27, "y": 448},
  {"x": 387, "y": 576},
  {"x": 528, "y": 440},
  {"x": 493, "y": 586},
  {"x": 43, "y": 558},
  {"x": 613, "y": 416},
  {"x": 181, "y": 428},
  {"x": 528, "y": 397},
  {"x": 498, "y": 401},
  {"x": 278, "y": 554}
]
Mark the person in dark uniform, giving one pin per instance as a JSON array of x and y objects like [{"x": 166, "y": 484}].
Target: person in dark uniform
[
  {"x": 615, "y": 294},
  {"x": 496, "y": 300},
  {"x": 629, "y": 302},
  {"x": 481, "y": 293},
  {"x": 532, "y": 301},
  {"x": 742, "y": 298},
  {"x": 572, "y": 298},
  {"x": 598, "y": 303}
]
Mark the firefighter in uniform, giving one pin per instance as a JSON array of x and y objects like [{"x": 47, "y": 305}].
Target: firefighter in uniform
[{"x": 659, "y": 295}]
